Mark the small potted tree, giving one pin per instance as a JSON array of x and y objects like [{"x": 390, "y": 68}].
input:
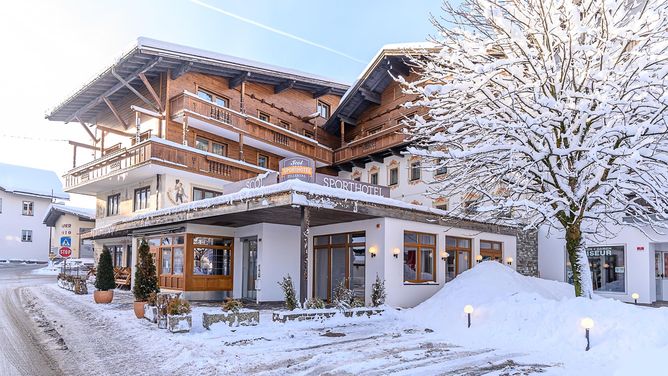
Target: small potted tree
[
  {"x": 146, "y": 280},
  {"x": 104, "y": 280}
]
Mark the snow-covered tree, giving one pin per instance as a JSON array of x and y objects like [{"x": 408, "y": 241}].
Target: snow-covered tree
[{"x": 549, "y": 113}]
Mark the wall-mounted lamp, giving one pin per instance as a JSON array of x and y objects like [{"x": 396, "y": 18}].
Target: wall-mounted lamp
[
  {"x": 587, "y": 323},
  {"x": 478, "y": 259},
  {"x": 444, "y": 255},
  {"x": 509, "y": 261},
  {"x": 373, "y": 251},
  {"x": 635, "y": 296},
  {"x": 395, "y": 252}
]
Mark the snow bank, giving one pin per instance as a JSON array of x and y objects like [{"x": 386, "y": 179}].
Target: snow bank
[{"x": 532, "y": 315}]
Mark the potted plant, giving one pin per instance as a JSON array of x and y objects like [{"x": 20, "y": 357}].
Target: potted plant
[
  {"x": 104, "y": 280},
  {"x": 146, "y": 280},
  {"x": 151, "y": 309},
  {"x": 234, "y": 314},
  {"x": 179, "y": 319}
]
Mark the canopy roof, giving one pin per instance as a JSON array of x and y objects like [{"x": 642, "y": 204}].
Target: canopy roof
[
  {"x": 57, "y": 210},
  {"x": 152, "y": 57}
]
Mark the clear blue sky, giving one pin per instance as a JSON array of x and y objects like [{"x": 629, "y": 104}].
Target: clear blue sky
[{"x": 51, "y": 48}]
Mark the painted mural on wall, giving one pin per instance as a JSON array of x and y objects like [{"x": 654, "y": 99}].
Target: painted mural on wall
[{"x": 177, "y": 193}]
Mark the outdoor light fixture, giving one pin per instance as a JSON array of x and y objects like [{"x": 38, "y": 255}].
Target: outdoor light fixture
[
  {"x": 635, "y": 296},
  {"x": 444, "y": 255},
  {"x": 468, "y": 309},
  {"x": 478, "y": 259},
  {"x": 373, "y": 251},
  {"x": 587, "y": 323},
  {"x": 395, "y": 252},
  {"x": 509, "y": 261}
]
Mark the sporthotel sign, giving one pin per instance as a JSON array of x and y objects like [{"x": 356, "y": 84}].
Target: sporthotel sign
[
  {"x": 296, "y": 168},
  {"x": 351, "y": 185}
]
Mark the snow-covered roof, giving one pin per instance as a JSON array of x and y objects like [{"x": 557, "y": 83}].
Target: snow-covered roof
[
  {"x": 31, "y": 181},
  {"x": 56, "y": 210},
  {"x": 304, "y": 193}
]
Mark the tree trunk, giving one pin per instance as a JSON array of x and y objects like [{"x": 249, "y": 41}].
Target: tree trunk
[{"x": 577, "y": 256}]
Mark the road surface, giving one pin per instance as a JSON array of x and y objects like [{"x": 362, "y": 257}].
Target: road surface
[{"x": 20, "y": 351}]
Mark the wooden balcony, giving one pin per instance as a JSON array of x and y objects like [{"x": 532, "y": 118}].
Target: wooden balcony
[
  {"x": 158, "y": 152},
  {"x": 375, "y": 143},
  {"x": 191, "y": 105}
]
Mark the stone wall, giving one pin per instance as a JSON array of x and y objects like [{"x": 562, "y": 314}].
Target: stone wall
[{"x": 527, "y": 252}]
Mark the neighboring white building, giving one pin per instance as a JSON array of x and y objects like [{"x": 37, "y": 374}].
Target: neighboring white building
[
  {"x": 67, "y": 224},
  {"x": 25, "y": 196}
]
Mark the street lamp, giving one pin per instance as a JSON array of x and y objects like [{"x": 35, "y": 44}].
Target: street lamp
[
  {"x": 373, "y": 251},
  {"x": 587, "y": 323},
  {"x": 635, "y": 296},
  {"x": 468, "y": 309},
  {"x": 478, "y": 259},
  {"x": 509, "y": 261},
  {"x": 444, "y": 255}
]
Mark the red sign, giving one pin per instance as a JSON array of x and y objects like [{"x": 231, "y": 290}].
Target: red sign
[
  {"x": 640, "y": 248},
  {"x": 65, "y": 252}
]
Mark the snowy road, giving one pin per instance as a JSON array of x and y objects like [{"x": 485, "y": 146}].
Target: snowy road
[{"x": 21, "y": 353}]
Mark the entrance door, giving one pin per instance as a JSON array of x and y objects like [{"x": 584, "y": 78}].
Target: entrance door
[
  {"x": 249, "y": 268},
  {"x": 661, "y": 268},
  {"x": 459, "y": 256}
]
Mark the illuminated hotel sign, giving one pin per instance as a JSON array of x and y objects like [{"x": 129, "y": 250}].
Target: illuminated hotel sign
[{"x": 296, "y": 168}]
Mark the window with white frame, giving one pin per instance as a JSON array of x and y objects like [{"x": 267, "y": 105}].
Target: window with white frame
[
  {"x": 415, "y": 171},
  {"x": 323, "y": 109},
  {"x": 28, "y": 208},
  {"x": 26, "y": 236}
]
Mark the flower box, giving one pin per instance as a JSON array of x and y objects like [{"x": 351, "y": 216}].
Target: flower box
[
  {"x": 243, "y": 317},
  {"x": 317, "y": 314},
  {"x": 179, "y": 323},
  {"x": 151, "y": 313}
]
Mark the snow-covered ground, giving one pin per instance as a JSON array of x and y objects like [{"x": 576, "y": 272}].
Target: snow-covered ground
[{"x": 520, "y": 325}]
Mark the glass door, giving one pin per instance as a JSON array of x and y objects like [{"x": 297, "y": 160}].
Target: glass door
[
  {"x": 249, "y": 268},
  {"x": 459, "y": 256}
]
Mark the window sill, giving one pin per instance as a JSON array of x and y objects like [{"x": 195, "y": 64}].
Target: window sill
[{"x": 421, "y": 283}]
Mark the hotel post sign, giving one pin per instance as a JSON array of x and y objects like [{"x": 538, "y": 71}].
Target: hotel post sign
[{"x": 297, "y": 168}]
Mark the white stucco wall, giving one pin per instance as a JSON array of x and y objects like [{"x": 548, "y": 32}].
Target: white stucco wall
[{"x": 12, "y": 221}]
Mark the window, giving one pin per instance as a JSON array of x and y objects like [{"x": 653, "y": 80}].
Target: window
[
  {"x": 415, "y": 171},
  {"x": 374, "y": 130},
  {"x": 373, "y": 178},
  {"x": 308, "y": 134},
  {"x": 212, "y": 256},
  {"x": 113, "y": 202},
  {"x": 442, "y": 206},
  {"x": 607, "y": 268},
  {"x": 394, "y": 176},
  {"x": 208, "y": 96},
  {"x": 0, "y": 205},
  {"x": 207, "y": 145},
  {"x": 490, "y": 250},
  {"x": 419, "y": 256},
  {"x": 284, "y": 124},
  {"x": 459, "y": 256},
  {"x": 323, "y": 109},
  {"x": 264, "y": 116},
  {"x": 141, "y": 198},
  {"x": 201, "y": 193},
  {"x": 339, "y": 258},
  {"x": 116, "y": 255},
  {"x": 441, "y": 169},
  {"x": 171, "y": 254},
  {"x": 28, "y": 207},
  {"x": 26, "y": 236},
  {"x": 263, "y": 161}
]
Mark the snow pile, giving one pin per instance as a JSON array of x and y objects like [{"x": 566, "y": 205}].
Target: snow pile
[{"x": 532, "y": 315}]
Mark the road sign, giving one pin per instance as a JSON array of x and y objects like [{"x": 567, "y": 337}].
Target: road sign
[
  {"x": 65, "y": 252},
  {"x": 65, "y": 241}
]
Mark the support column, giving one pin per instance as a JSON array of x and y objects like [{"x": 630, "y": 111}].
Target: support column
[
  {"x": 241, "y": 147},
  {"x": 303, "y": 252},
  {"x": 138, "y": 126},
  {"x": 242, "y": 107},
  {"x": 342, "y": 127},
  {"x": 74, "y": 156},
  {"x": 185, "y": 130}
]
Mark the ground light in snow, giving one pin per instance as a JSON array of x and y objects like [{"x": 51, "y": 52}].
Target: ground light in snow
[
  {"x": 468, "y": 309},
  {"x": 587, "y": 323}
]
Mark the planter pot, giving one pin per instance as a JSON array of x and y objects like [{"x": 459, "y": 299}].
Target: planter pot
[
  {"x": 245, "y": 317},
  {"x": 103, "y": 297},
  {"x": 139, "y": 309},
  {"x": 151, "y": 313},
  {"x": 179, "y": 323}
]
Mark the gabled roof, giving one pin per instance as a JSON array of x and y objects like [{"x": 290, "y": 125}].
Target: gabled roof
[
  {"x": 152, "y": 57},
  {"x": 391, "y": 60},
  {"x": 57, "y": 210},
  {"x": 31, "y": 182}
]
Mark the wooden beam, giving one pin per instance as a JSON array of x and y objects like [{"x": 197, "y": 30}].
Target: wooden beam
[
  {"x": 241, "y": 146},
  {"x": 155, "y": 96},
  {"x": 114, "y": 131},
  {"x": 90, "y": 133},
  {"x": 321, "y": 92},
  {"x": 74, "y": 156},
  {"x": 143, "y": 69},
  {"x": 398, "y": 68},
  {"x": 283, "y": 86},
  {"x": 181, "y": 70},
  {"x": 304, "y": 218},
  {"x": 242, "y": 101},
  {"x": 115, "y": 112},
  {"x": 132, "y": 89},
  {"x": 370, "y": 96},
  {"x": 146, "y": 112},
  {"x": 376, "y": 158},
  {"x": 342, "y": 130},
  {"x": 348, "y": 120},
  {"x": 236, "y": 81},
  {"x": 82, "y": 145}
]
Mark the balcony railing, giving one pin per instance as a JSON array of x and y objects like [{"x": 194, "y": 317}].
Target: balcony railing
[
  {"x": 162, "y": 153},
  {"x": 189, "y": 103},
  {"x": 370, "y": 144}
]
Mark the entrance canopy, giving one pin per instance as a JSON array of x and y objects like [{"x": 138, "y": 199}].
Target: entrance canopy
[{"x": 281, "y": 204}]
